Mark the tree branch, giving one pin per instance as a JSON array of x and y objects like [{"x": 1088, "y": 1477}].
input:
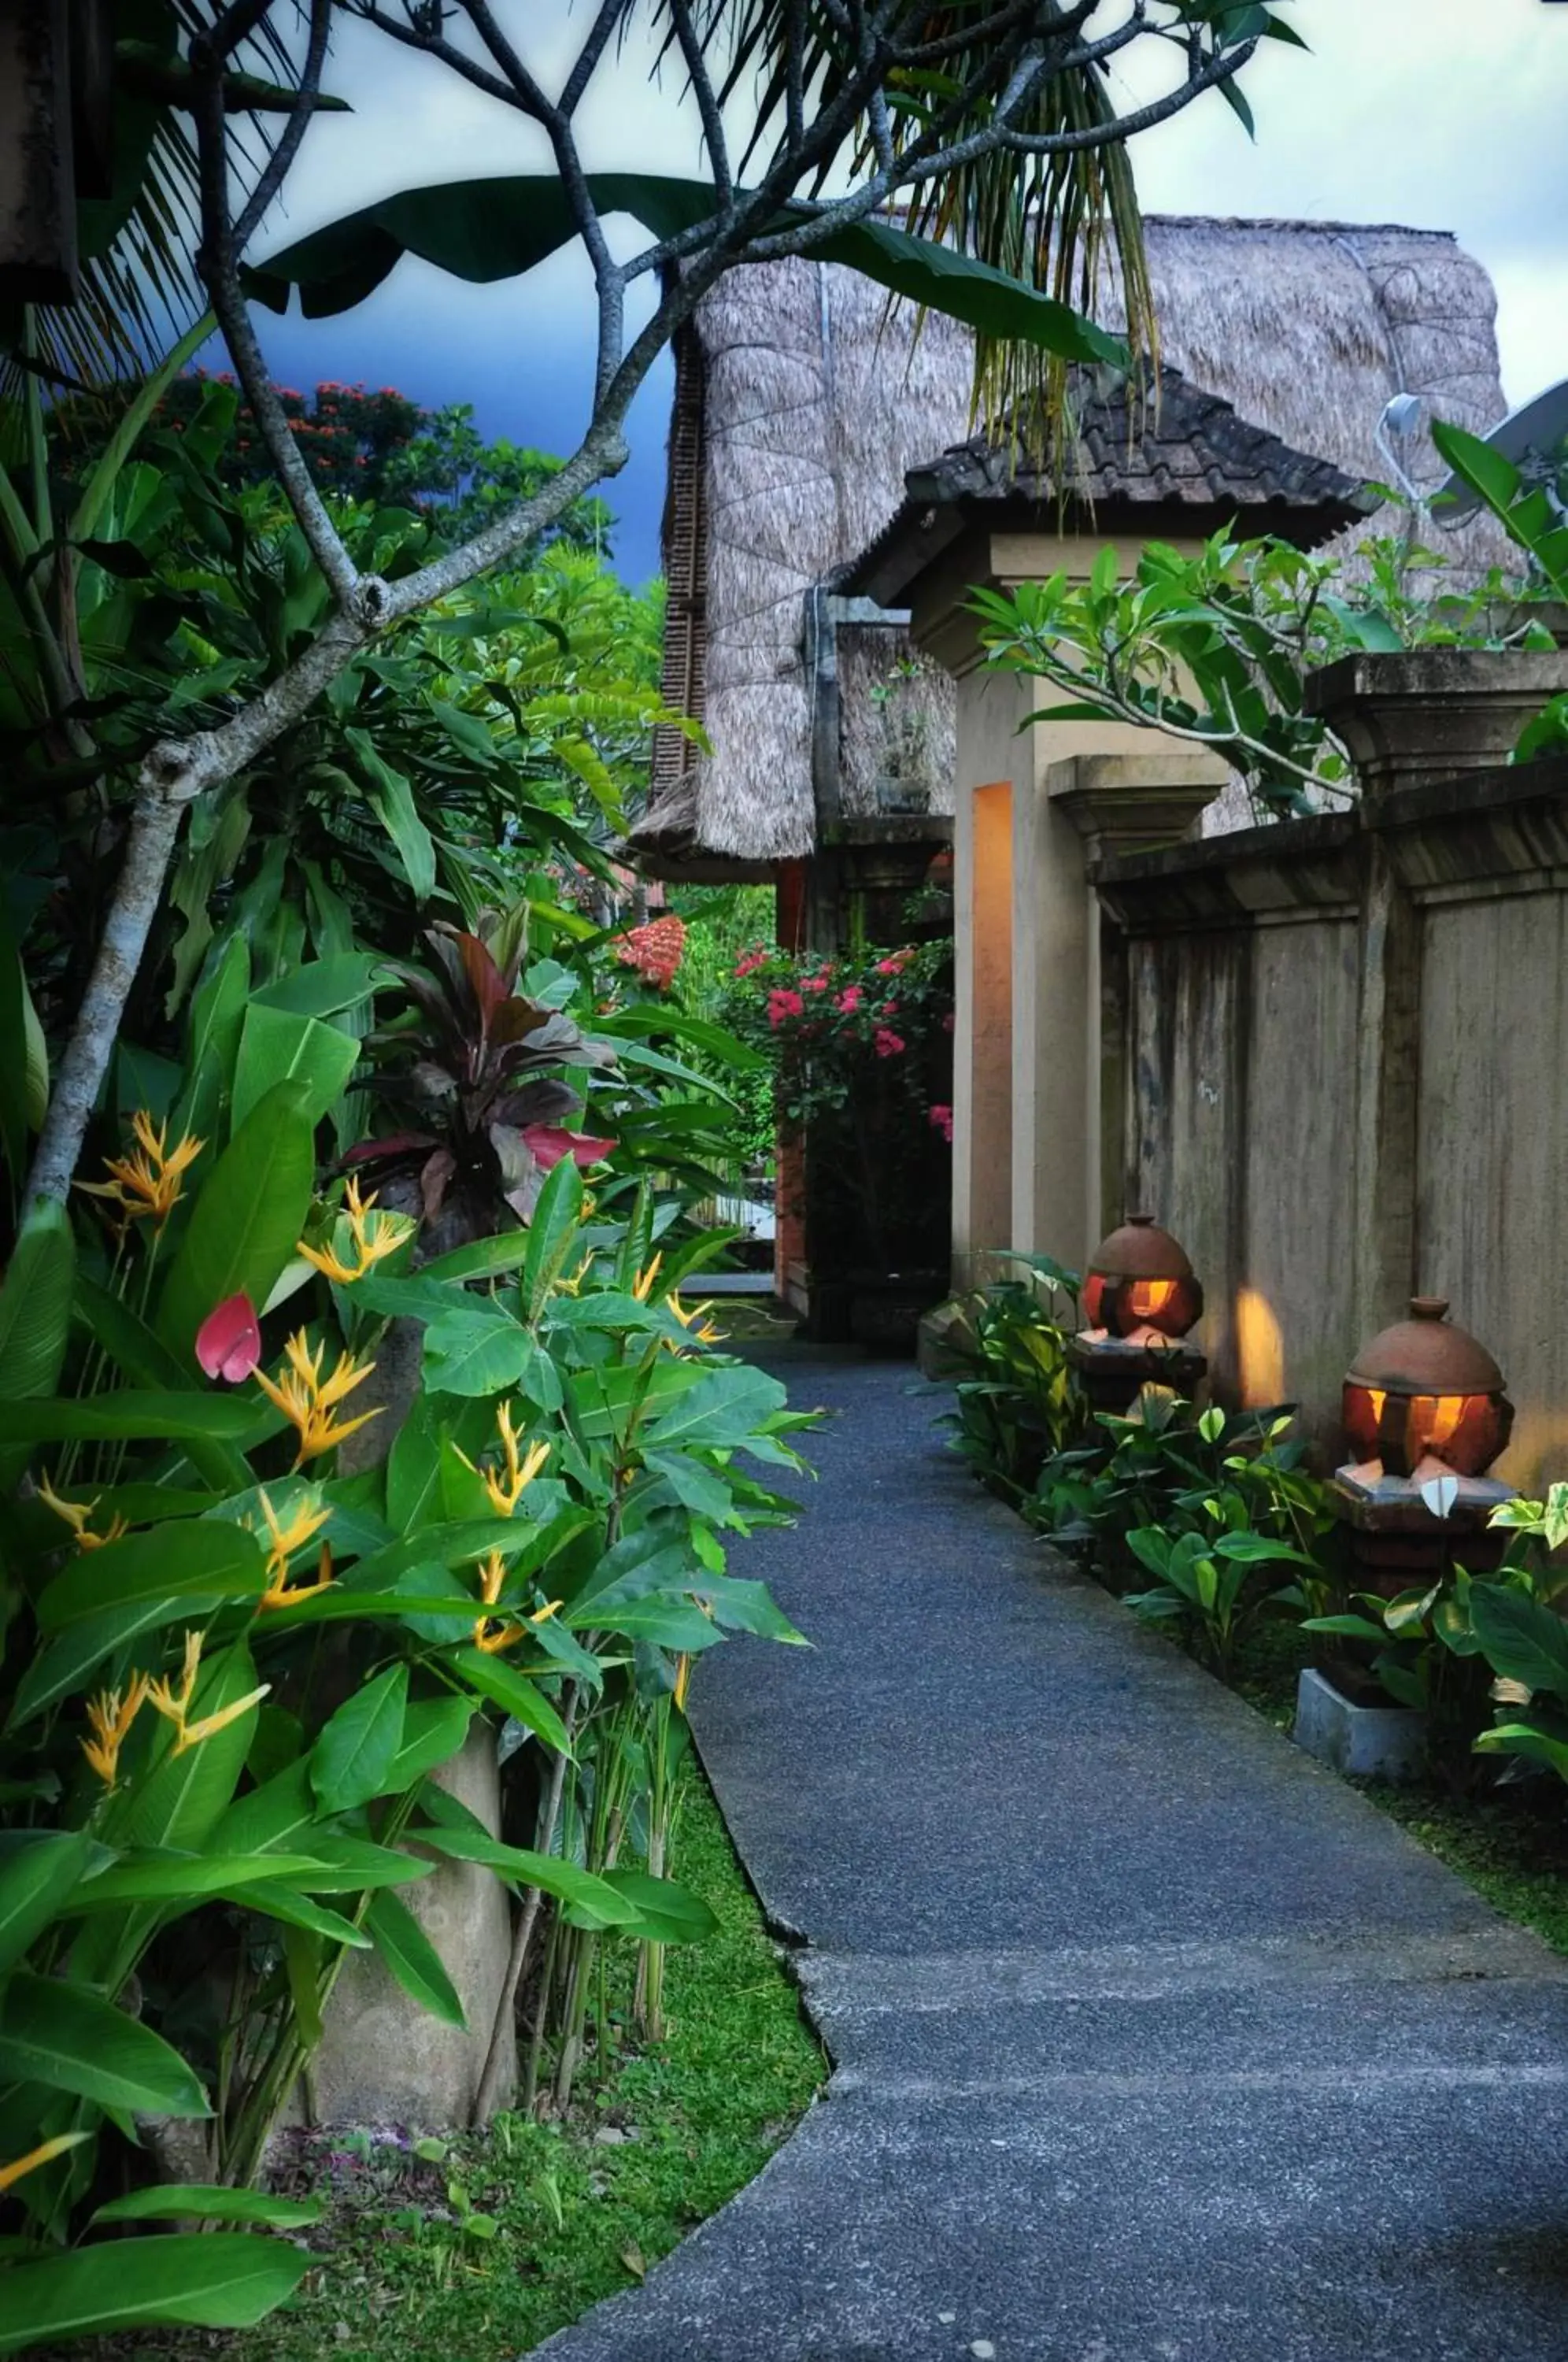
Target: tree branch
[
  {"x": 298, "y": 123},
  {"x": 217, "y": 263}
]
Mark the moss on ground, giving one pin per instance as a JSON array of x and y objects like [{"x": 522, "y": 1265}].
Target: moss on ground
[{"x": 568, "y": 2213}]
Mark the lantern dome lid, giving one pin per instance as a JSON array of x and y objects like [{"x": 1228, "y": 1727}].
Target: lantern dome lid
[
  {"x": 1426, "y": 1355},
  {"x": 1140, "y": 1250}
]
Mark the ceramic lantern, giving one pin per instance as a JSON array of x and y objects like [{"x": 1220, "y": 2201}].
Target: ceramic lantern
[
  {"x": 1140, "y": 1298},
  {"x": 1425, "y": 1415}
]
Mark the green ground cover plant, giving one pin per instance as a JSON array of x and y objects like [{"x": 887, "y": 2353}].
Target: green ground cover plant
[{"x": 404, "y": 2252}]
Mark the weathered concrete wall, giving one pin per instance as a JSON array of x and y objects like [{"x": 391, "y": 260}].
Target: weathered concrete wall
[{"x": 1345, "y": 1080}]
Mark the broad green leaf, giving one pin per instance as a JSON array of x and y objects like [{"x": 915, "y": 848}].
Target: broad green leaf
[
  {"x": 66, "y": 1665},
  {"x": 247, "y": 1216},
  {"x": 699, "y": 1032},
  {"x": 600, "y": 1903},
  {"x": 1520, "y": 1638},
  {"x": 134, "y": 1412},
  {"x": 696, "y": 1487},
  {"x": 324, "y": 987},
  {"x": 38, "y": 1871},
  {"x": 35, "y": 1305},
  {"x": 391, "y": 798},
  {"x": 665, "y": 1912},
  {"x": 413, "y": 1958},
  {"x": 223, "y": 2279},
  {"x": 204, "y": 1560},
  {"x": 211, "y": 1043},
  {"x": 552, "y": 1235},
  {"x": 485, "y": 230},
  {"x": 356, "y": 1865},
  {"x": 351, "y": 1759},
  {"x": 212, "y": 2202},
  {"x": 474, "y": 1352},
  {"x": 165, "y": 1877},
  {"x": 274, "y": 1899},
  {"x": 504, "y": 1687},
  {"x": 62, "y": 2035},
  {"x": 665, "y": 1623},
  {"x": 433, "y": 1731},
  {"x": 720, "y": 1411},
  {"x": 482, "y": 1259},
  {"x": 277, "y": 1045},
  {"x": 747, "y": 1607}
]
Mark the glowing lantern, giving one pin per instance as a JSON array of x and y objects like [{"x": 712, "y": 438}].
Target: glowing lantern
[
  {"x": 1140, "y": 1283},
  {"x": 1426, "y": 1416},
  {"x": 1425, "y": 1391},
  {"x": 1140, "y": 1298}
]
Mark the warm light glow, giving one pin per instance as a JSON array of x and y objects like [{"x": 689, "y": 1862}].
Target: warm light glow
[
  {"x": 1376, "y": 1396},
  {"x": 1260, "y": 1351},
  {"x": 1151, "y": 1296},
  {"x": 1447, "y": 1410}
]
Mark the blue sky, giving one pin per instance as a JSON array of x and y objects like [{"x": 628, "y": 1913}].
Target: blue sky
[{"x": 1443, "y": 114}]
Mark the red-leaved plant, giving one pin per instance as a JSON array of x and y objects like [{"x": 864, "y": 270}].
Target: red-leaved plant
[{"x": 476, "y": 1065}]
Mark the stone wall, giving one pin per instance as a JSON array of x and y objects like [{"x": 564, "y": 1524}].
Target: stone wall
[{"x": 1341, "y": 1069}]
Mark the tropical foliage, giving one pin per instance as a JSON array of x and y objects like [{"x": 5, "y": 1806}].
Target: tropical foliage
[
  {"x": 1215, "y": 649},
  {"x": 233, "y": 1663}
]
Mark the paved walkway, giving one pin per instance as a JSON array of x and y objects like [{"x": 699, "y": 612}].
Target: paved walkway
[{"x": 1152, "y": 2042}]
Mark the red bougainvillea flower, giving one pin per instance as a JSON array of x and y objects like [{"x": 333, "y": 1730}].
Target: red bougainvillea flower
[
  {"x": 782, "y": 1003},
  {"x": 894, "y": 965},
  {"x": 848, "y": 1000},
  {"x": 758, "y": 956},
  {"x": 887, "y": 1044},
  {"x": 549, "y": 1144},
  {"x": 940, "y": 1119},
  {"x": 655, "y": 950},
  {"x": 229, "y": 1342}
]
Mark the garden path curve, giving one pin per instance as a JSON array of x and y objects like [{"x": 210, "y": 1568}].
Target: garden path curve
[{"x": 1152, "y": 2042}]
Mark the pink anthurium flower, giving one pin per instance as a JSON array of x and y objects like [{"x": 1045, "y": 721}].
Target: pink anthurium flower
[
  {"x": 549, "y": 1144},
  {"x": 229, "y": 1342}
]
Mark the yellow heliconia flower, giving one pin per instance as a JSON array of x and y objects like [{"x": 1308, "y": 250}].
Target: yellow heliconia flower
[
  {"x": 571, "y": 1287},
  {"x": 492, "y": 1632},
  {"x": 148, "y": 1180},
  {"x": 308, "y": 1400},
  {"x": 111, "y": 1715},
  {"x": 303, "y": 1525},
  {"x": 641, "y": 1286},
  {"x": 76, "y": 1513},
  {"x": 375, "y": 1237},
  {"x": 506, "y": 1485},
  {"x": 705, "y": 1335},
  {"x": 174, "y": 1703},
  {"x": 44, "y": 2153}
]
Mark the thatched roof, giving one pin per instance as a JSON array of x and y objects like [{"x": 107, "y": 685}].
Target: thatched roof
[
  {"x": 802, "y": 402},
  {"x": 1137, "y": 460}
]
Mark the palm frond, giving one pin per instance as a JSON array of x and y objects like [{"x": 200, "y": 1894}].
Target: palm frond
[
  {"x": 138, "y": 289},
  {"x": 1064, "y": 222}
]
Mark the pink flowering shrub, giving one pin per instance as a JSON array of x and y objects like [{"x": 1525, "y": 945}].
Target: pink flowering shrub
[{"x": 826, "y": 1021}]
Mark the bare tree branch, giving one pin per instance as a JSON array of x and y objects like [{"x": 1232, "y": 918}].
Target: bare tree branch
[
  {"x": 217, "y": 262},
  {"x": 282, "y": 156}
]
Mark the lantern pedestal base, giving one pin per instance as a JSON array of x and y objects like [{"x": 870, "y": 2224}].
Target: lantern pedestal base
[
  {"x": 1399, "y": 1542},
  {"x": 1112, "y": 1370},
  {"x": 1365, "y": 1742}
]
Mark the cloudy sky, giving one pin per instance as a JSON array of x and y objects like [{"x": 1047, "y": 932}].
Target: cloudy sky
[{"x": 1441, "y": 114}]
